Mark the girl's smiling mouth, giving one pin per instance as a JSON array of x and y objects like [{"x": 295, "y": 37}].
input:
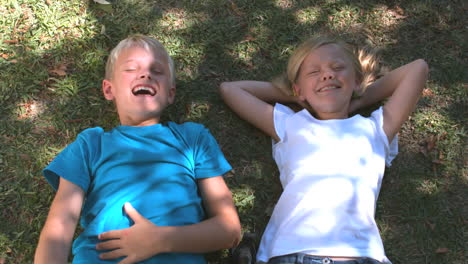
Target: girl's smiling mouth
[{"x": 328, "y": 88}]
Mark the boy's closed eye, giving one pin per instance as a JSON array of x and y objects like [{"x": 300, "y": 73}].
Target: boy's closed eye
[{"x": 157, "y": 70}]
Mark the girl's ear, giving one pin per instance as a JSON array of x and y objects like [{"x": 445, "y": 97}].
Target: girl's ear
[
  {"x": 107, "y": 90},
  {"x": 297, "y": 92}
]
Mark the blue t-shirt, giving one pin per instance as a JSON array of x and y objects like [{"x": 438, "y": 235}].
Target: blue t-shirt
[{"x": 155, "y": 168}]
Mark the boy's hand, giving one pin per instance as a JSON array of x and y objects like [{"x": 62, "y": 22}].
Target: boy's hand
[{"x": 132, "y": 242}]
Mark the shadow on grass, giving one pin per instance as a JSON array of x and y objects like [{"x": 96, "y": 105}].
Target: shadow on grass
[{"x": 215, "y": 41}]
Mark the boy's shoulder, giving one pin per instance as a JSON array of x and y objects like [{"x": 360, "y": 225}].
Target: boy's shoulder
[{"x": 91, "y": 132}]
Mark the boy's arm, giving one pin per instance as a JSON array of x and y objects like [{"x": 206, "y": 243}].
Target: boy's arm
[
  {"x": 57, "y": 234},
  {"x": 144, "y": 239},
  {"x": 249, "y": 99}
]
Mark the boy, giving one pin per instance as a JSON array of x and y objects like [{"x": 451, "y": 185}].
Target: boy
[{"x": 169, "y": 172}]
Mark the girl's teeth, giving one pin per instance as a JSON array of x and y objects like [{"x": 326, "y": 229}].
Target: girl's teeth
[{"x": 329, "y": 88}]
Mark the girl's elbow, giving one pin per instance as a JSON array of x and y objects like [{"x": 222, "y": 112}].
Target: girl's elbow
[
  {"x": 224, "y": 87},
  {"x": 422, "y": 64}
]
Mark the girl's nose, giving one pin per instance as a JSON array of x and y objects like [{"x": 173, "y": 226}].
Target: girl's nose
[{"x": 328, "y": 75}]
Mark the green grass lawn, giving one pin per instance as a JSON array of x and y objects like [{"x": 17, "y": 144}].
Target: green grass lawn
[{"x": 52, "y": 56}]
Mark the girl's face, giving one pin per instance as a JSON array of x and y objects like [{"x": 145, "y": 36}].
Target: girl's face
[{"x": 326, "y": 80}]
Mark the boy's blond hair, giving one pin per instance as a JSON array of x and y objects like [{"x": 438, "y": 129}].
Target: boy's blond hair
[
  {"x": 365, "y": 63},
  {"x": 142, "y": 41}
]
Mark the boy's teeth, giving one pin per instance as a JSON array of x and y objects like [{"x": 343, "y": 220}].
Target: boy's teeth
[{"x": 144, "y": 90}]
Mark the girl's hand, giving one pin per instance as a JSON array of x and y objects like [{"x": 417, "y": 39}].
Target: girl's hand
[
  {"x": 135, "y": 243},
  {"x": 354, "y": 105}
]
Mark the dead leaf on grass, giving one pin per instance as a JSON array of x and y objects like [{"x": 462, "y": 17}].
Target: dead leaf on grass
[
  {"x": 431, "y": 143},
  {"x": 73, "y": 121},
  {"x": 398, "y": 13},
  {"x": 442, "y": 250},
  {"x": 427, "y": 93},
  {"x": 10, "y": 41},
  {"x": 235, "y": 9},
  {"x": 249, "y": 38},
  {"x": 59, "y": 70},
  {"x": 431, "y": 225},
  {"x": 102, "y": 2}
]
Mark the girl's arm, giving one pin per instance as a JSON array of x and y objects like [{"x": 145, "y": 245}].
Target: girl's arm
[
  {"x": 144, "y": 239},
  {"x": 404, "y": 84},
  {"x": 249, "y": 99},
  {"x": 57, "y": 235}
]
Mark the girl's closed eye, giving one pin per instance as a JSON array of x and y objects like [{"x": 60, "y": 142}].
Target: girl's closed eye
[
  {"x": 313, "y": 72},
  {"x": 338, "y": 67}
]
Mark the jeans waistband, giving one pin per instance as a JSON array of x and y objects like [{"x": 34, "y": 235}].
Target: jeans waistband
[{"x": 300, "y": 258}]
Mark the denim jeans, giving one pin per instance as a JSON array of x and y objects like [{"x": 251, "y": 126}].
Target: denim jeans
[{"x": 300, "y": 258}]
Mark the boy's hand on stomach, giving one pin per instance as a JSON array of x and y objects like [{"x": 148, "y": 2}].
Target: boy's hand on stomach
[{"x": 135, "y": 243}]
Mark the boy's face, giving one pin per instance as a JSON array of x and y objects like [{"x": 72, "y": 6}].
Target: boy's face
[
  {"x": 326, "y": 81},
  {"x": 141, "y": 86}
]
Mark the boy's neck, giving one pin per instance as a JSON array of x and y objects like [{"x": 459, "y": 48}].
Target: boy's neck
[{"x": 140, "y": 123}]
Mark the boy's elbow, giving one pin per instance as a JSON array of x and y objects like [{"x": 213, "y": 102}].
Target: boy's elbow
[
  {"x": 233, "y": 233},
  {"x": 235, "y": 236}
]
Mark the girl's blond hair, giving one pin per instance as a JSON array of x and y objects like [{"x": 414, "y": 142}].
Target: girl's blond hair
[
  {"x": 142, "y": 41},
  {"x": 365, "y": 62}
]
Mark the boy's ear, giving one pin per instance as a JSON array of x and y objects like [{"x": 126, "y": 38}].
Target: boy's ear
[
  {"x": 107, "y": 90},
  {"x": 171, "y": 94}
]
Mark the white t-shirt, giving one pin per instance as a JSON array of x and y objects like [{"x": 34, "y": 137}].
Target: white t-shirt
[{"x": 331, "y": 172}]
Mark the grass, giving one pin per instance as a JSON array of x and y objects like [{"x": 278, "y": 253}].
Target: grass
[{"x": 52, "y": 56}]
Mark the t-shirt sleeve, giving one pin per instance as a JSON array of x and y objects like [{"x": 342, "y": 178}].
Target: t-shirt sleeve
[
  {"x": 72, "y": 163},
  {"x": 280, "y": 115},
  {"x": 209, "y": 160},
  {"x": 391, "y": 148}
]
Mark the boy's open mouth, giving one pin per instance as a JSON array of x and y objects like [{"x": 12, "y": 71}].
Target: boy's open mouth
[{"x": 144, "y": 90}]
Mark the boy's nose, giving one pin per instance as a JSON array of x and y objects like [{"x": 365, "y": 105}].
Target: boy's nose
[{"x": 145, "y": 76}]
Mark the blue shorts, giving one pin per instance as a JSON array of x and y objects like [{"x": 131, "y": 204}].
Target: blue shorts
[{"x": 300, "y": 258}]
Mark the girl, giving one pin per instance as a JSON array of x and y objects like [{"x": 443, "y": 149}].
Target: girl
[{"x": 331, "y": 165}]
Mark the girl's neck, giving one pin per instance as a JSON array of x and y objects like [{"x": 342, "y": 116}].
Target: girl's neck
[{"x": 328, "y": 116}]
